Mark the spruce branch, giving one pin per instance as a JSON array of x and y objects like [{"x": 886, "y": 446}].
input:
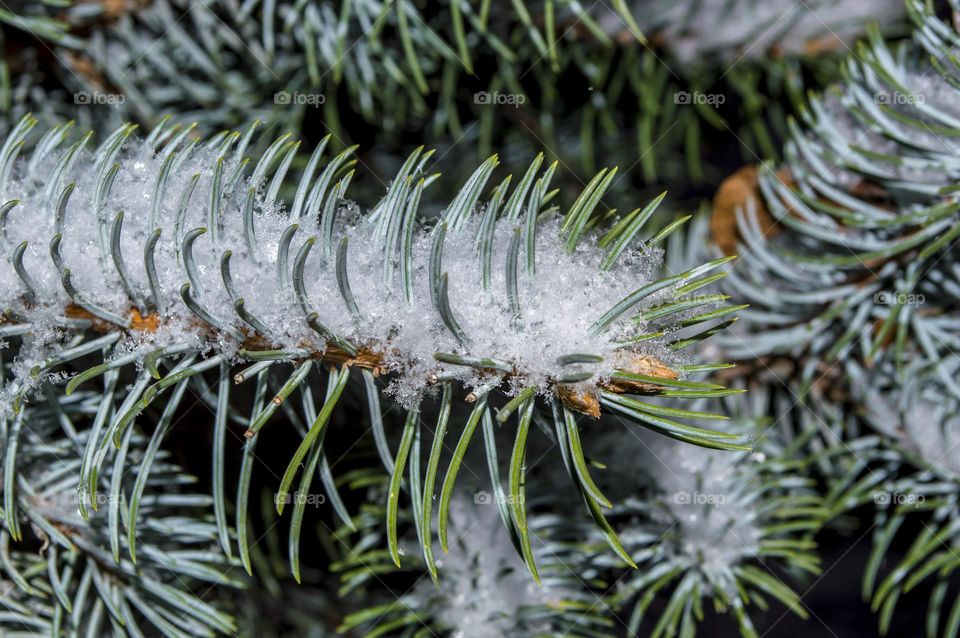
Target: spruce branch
[
  {"x": 846, "y": 248},
  {"x": 66, "y": 572},
  {"x": 481, "y": 588},
  {"x": 445, "y": 68},
  {"x": 180, "y": 258},
  {"x": 849, "y": 260},
  {"x": 733, "y": 529}
]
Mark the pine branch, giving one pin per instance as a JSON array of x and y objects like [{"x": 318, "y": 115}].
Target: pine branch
[{"x": 849, "y": 260}]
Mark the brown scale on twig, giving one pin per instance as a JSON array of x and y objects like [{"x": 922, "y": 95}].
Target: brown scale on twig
[
  {"x": 642, "y": 364},
  {"x": 574, "y": 396},
  {"x": 586, "y": 402}
]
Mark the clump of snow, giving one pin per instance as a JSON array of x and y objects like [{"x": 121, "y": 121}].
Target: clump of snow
[
  {"x": 558, "y": 305},
  {"x": 705, "y": 513},
  {"x": 712, "y": 496},
  {"x": 921, "y": 416},
  {"x": 483, "y": 584}
]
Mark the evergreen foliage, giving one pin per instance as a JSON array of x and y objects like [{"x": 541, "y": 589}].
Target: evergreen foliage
[{"x": 268, "y": 366}]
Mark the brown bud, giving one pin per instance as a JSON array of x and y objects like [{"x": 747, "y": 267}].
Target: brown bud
[
  {"x": 580, "y": 401},
  {"x": 646, "y": 365}
]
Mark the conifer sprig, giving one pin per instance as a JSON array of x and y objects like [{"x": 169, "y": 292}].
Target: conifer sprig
[
  {"x": 194, "y": 269},
  {"x": 84, "y": 576}
]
